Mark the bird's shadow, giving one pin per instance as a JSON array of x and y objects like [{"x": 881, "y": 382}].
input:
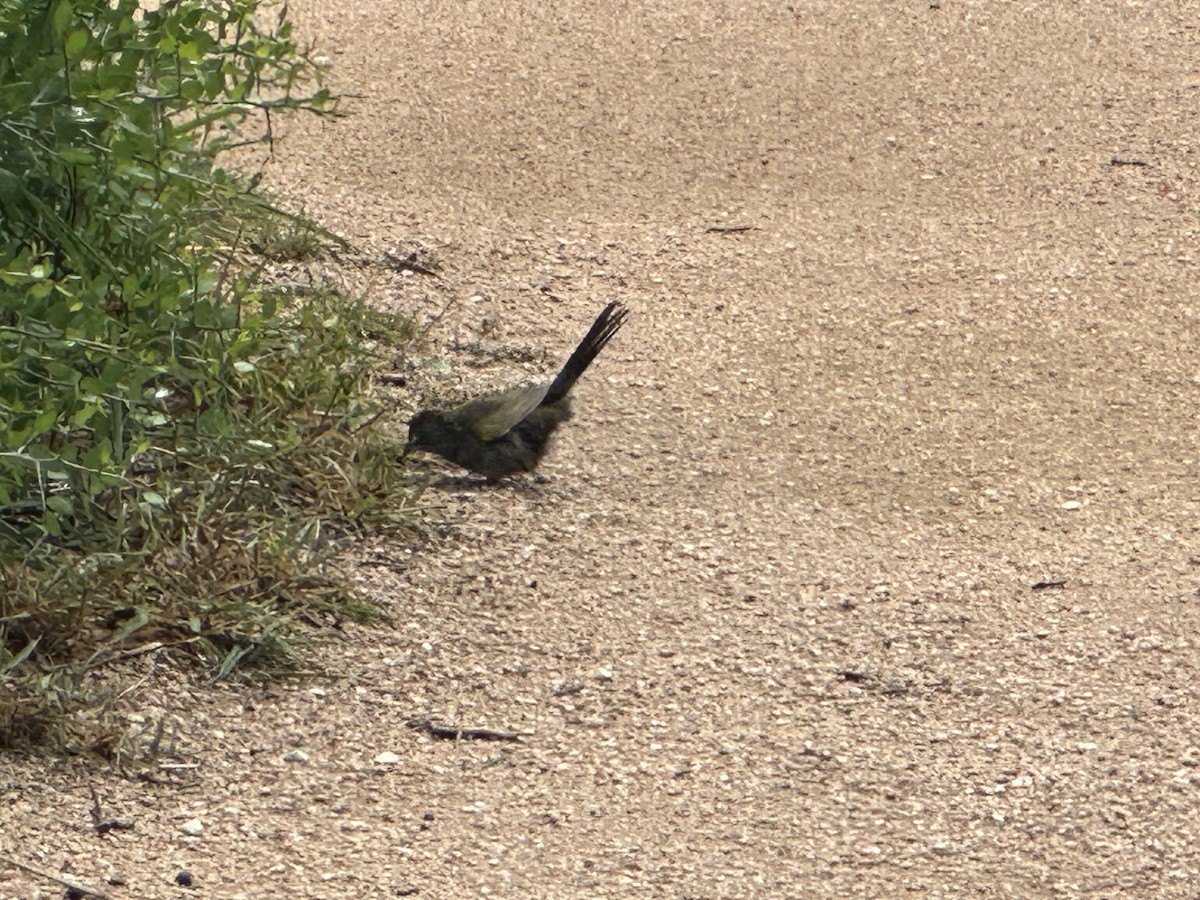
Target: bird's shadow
[{"x": 478, "y": 483}]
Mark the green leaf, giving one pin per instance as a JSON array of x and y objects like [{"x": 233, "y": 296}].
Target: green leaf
[
  {"x": 138, "y": 620},
  {"x": 99, "y": 457},
  {"x": 45, "y": 421},
  {"x": 214, "y": 84},
  {"x": 114, "y": 371},
  {"x": 76, "y": 155},
  {"x": 64, "y": 10},
  {"x": 192, "y": 90},
  {"x": 77, "y": 42},
  {"x": 60, "y": 504},
  {"x": 8, "y": 665},
  {"x": 231, "y": 660}
]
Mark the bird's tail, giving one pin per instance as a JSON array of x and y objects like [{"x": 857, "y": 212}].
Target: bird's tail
[{"x": 606, "y": 325}]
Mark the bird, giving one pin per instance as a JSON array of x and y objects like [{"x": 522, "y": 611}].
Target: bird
[{"x": 507, "y": 433}]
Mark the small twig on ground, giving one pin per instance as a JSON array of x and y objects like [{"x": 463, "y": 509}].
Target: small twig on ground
[
  {"x": 729, "y": 229},
  {"x": 106, "y": 825},
  {"x": 456, "y": 733},
  {"x": 76, "y": 890},
  {"x": 411, "y": 262}
]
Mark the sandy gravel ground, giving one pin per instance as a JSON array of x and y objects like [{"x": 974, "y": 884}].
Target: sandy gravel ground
[{"x": 870, "y": 564}]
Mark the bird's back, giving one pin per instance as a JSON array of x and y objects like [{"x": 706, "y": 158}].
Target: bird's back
[{"x": 495, "y": 415}]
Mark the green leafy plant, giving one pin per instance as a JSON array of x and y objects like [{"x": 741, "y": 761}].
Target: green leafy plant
[{"x": 177, "y": 439}]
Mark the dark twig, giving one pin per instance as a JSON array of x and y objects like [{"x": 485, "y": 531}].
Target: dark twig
[
  {"x": 107, "y": 825},
  {"x": 411, "y": 262},
  {"x": 75, "y": 890},
  {"x": 457, "y": 733}
]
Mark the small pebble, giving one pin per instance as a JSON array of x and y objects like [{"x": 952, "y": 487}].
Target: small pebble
[{"x": 194, "y": 827}]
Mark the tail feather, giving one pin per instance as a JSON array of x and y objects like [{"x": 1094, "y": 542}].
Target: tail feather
[{"x": 606, "y": 325}]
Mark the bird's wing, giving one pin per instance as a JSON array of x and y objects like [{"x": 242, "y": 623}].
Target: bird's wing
[{"x": 492, "y": 416}]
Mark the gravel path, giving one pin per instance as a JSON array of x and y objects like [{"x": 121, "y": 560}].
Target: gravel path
[{"x": 869, "y": 565}]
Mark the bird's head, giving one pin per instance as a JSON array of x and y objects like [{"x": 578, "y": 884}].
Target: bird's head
[{"x": 424, "y": 430}]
